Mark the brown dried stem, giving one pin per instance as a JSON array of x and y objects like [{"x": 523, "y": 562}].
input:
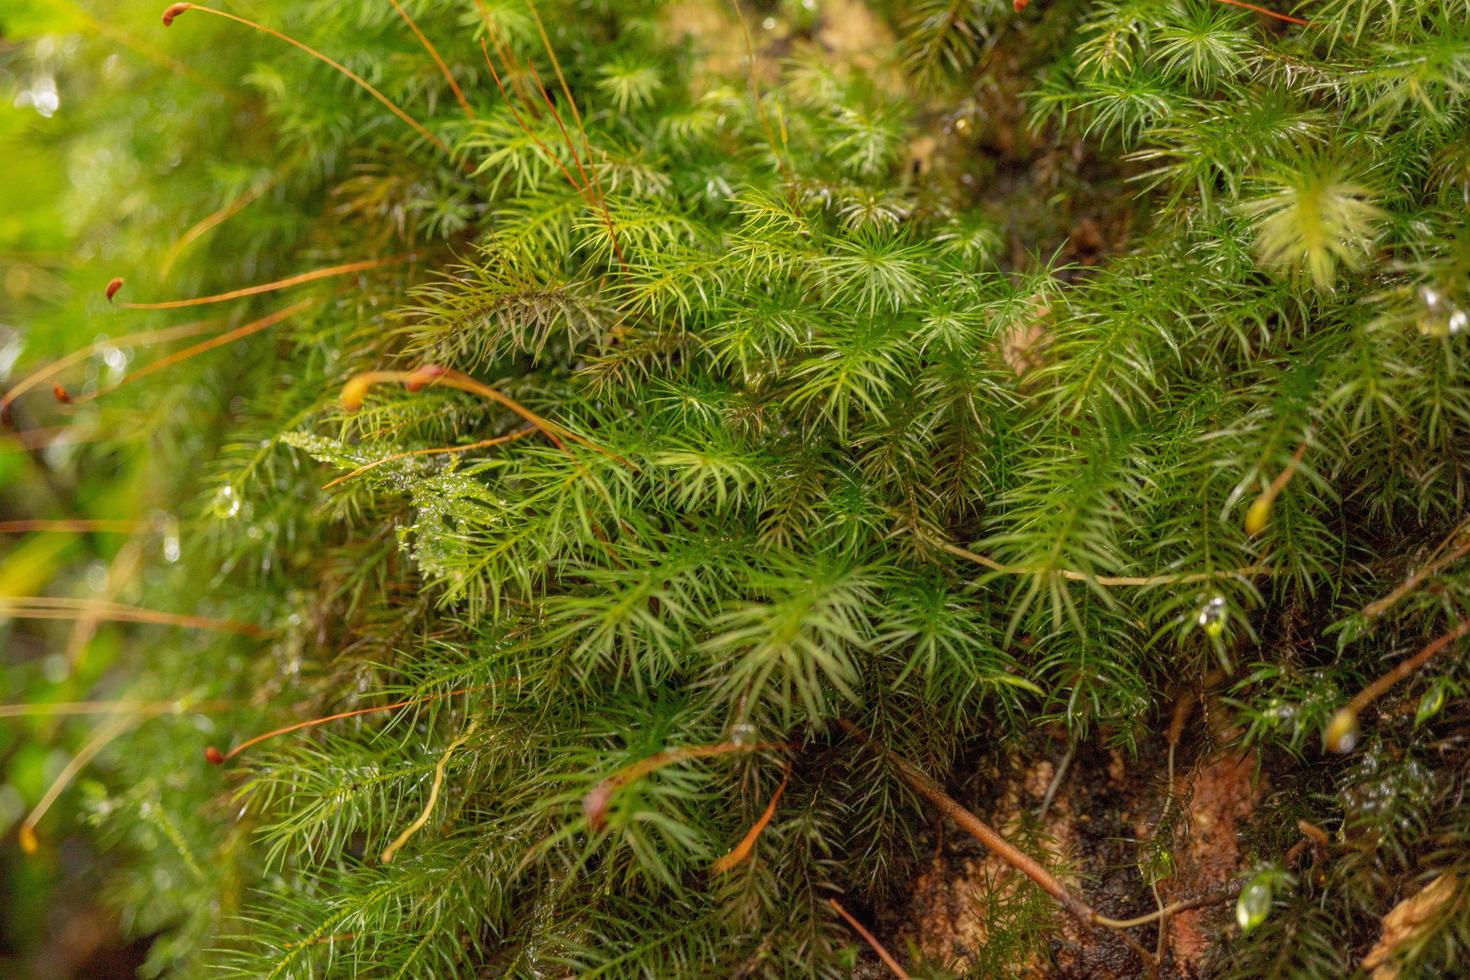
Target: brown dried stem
[
  {"x": 434, "y": 53},
  {"x": 346, "y": 268},
  {"x": 742, "y": 850},
  {"x": 362, "y": 83},
  {"x": 870, "y": 939},
  {"x": 228, "y": 337}
]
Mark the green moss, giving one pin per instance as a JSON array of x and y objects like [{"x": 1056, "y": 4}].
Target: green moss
[{"x": 923, "y": 376}]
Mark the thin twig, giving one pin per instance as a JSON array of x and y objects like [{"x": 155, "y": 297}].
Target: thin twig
[
  {"x": 434, "y": 53},
  {"x": 1222, "y": 894},
  {"x": 219, "y": 758},
  {"x": 870, "y": 939},
  {"x": 1341, "y": 734},
  {"x": 1269, "y": 13},
  {"x": 100, "y": 739},
  {"x": 203, "y": 347},
  {"x": 68, "y": 525},
  {"x": 1259, "y": 513},
  {"x": 212, "y": 221},
  {"x": 346, "y": 268},
  {"x": 1056, "y": 781},
  {"x": 48, "y": 371},
  {"x": 1430, "y": 568},
  {"x": 926, "y": 787},
  {"x": 977, "y": 828},
  {"x": 179, "y": 8},
  {"x": 47, "y": 709}
]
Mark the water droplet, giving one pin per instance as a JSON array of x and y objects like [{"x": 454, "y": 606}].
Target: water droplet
[
  {"x": 171, "y": 549},
  {"x": 115, "y": 359},
  {"x": 1211, "y": 616},
  {"x": 1438, "y": 316},
  {"x": 769, "y": 23},
  {"x": 226, "y": 502},
  {"x": 1430, "y": 704},
  {"x": 743, "y": 733},
  {"x": 1254, "y": 903}
]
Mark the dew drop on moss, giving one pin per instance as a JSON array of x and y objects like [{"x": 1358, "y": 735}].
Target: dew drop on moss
[
  {"x": 1254, "y": 903},
  {"x": 1211, "y": 617}
]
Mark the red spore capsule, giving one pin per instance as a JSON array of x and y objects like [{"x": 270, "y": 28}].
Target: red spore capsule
[
  {"x": 214, "y": 756},
  {"x": 425, "y": 375},
  {"x": 113, "y": 287},
  {"x": 174, "y": 11},
  {"x": 62, "y": 395}
]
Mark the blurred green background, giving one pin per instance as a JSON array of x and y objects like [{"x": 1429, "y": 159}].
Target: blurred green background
[{"x": 91, "y": 187}]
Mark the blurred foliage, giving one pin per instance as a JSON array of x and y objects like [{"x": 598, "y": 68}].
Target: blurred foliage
[{"x": 1070, "y": 291}]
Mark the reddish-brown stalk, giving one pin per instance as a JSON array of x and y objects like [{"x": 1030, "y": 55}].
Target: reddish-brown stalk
[
  {"x": 566, "y": 91},
  {"x": 357, "y": 387},
  {"x": 434, "y": 53},
  {"x": 591, "y": 187},
  {"x": 1433, "y": 566},
  {"x": 69, "y": 525},
  {"x": 217, "y": 757},
  {"x": 153, "y": 54},
  {"x": 1341, "y": 734},
  {"x": 144, "y": 339},
  {"x": 742, "y": 850},
  {"x": 870, "y": 939},
  {"x": 53, "y": 607},
  {"x": 1269, "y": 13},
  {"x": 228, "y": 337},
  {"x": 595, "y": 803},
  {"x": 438, "y": 450},
  {"x": 345, "y": 269},
  {"x": 174, "y": 11},
  {"x": 525, "y": 127}
]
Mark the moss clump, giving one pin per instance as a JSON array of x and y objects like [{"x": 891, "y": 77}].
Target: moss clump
[{"x": 656, "y": 387}]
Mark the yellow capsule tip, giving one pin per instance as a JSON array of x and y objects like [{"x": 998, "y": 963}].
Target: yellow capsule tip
[
  {"x": 1258, "y": 516},
  {"x": 1341, "y": 733}
]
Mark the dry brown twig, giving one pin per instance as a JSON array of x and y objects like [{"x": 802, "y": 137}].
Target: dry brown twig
[
  {"x": 1078, "y": 908},
  {"x": 870, "y": 939}
]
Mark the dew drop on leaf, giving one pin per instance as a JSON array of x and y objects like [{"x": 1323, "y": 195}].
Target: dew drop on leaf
[
  {"x": 226, "y": 502},
  {"x": 1438, "y": 316},
  {"x": 1211, "y": 617},
  {"x": 1253, "y": 904}
]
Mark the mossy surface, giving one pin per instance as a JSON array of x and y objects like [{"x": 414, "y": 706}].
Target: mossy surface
[{"x": 1080, "y": 381}]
